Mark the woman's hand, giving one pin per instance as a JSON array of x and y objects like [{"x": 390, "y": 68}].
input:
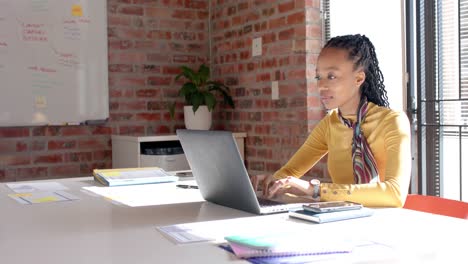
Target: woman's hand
[
  {"x": 264, "y": 180},
  {"x": 291, "y": 185}
]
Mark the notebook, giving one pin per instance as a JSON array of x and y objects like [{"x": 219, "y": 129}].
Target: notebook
[
  {"x": 132, "y": 176},
  {"x": 275, "y": 245},
  {"x": 220, "y": 173},
  {"x": 331, "y": 216}
]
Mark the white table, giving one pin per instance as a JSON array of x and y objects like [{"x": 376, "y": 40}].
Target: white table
[{"x": 94, "y": 230}]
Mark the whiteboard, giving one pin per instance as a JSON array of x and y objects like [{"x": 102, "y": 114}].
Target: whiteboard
[{"x": 53, "y": 62}]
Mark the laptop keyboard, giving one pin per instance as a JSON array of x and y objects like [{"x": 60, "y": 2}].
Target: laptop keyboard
[{"x": 266, "y": 202}]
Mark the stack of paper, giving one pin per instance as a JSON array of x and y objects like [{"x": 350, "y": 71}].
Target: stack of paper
[{"x": 132, "y": 176}]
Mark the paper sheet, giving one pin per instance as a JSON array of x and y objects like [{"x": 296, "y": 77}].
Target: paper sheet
[
  {"x": 217, "y": 230},
  {"x": 28, "y": 187},
  {"x": 42, "y": 197},
  {"x": 148, "y": 194}
]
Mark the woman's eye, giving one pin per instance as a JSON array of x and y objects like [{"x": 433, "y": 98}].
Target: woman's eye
[
  {"x": 317, "y": 78},
  {"x": 331, "y": 77}
]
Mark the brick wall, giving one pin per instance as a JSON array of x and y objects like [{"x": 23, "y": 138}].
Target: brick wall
[
  {"x": 148, "y": 40},
  {"x": 291, "y": 36}
]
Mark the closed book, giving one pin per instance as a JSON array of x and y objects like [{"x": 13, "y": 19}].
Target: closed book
[
  {"x": 331, "y": 216},
  {"x": 276, "y": 245},
  {"x": 133, "y": 176}
]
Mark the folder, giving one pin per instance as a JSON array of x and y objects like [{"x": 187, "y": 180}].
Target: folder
[{"x": 132, "y": 176}]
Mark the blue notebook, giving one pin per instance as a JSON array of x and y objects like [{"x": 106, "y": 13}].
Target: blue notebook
[{"x": 331, "y": 216}]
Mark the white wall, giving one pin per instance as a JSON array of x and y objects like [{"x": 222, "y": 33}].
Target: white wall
[{"x": 382, "y": 22}]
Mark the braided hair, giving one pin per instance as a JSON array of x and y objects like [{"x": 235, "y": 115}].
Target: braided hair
[{"x": 362, "y": 52}]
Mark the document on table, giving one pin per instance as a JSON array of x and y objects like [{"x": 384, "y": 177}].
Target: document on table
[
  {"x": 218, "y": 229},
  {"x": 42, "y": 197},
  {"x": 28, "y": 187},
  {"x": 148, "y": 194}
]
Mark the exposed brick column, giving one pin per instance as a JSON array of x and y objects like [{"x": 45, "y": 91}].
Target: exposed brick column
[{"x": 292, "y": 38}]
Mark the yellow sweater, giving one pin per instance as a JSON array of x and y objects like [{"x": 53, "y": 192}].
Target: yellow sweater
[{"x": 388, "y": 135}]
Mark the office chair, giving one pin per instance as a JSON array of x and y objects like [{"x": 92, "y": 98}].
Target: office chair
[{"x": 437, "y": 205}]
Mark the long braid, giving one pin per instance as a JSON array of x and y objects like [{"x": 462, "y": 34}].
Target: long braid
[{"x": 362, "y": 52}]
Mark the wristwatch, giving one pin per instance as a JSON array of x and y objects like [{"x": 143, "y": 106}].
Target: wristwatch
[{"x": 316, "y": 188}]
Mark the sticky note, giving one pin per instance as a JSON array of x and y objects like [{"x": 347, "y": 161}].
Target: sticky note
[
  {"x": 45, "y": 199},
  {"x": 112, "y": 174},
  {"x": 21, "y": 194},
  {"x": 77, "y": 11},
  {"x": 40, "y": 101}
]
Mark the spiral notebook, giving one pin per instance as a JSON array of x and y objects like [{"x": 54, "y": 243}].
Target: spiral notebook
[{"x": 278, "y": 245}]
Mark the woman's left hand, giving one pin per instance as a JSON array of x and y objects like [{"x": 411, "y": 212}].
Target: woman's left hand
[{"x": 291, "y": 185}]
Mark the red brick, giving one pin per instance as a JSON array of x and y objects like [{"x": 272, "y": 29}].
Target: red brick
[
  {"x": 132, "y": 105},
  {"x": 296, "y": 18},
  {"x": 31, "y": 173},
  {"x": 157, "y": 80},
  {"x": 148, "y": 93},
  {"x": 21, "y": 146},
  {"x": 77, "y": 156},
  {"x": 102, "y": 155},
  {"x": 37, "y": 145},
  {"x": 117, "y": 20},
  {"x": 7, "y": 146},
  {"x": 159, "y": 35},
  {"x": 285, "y": 7},
  {"x": 93, "y": 143},
  {"x": 52, "y": 158},
  {"x": 131, "y": 130},
  {"x": 14, "y": 132},
  {"x": 101, "y": 130},
  {"x": 70, "y": 169},
  {"x": 60, "y": 144},
  {"x": 14, "y": 160},
  {"x": 75, "y": 131},
  {"x": 131, "y": 10},
  {"x": 286, "y": 34},
  {"x": 148, "y": 117},
  {"x": 121, "y": 68}
]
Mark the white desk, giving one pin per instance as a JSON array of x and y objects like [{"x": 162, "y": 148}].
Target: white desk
[{"x": 93, "y": 230}]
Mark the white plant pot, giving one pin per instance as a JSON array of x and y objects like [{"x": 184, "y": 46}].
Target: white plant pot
[{"x": 200, "y": 120}]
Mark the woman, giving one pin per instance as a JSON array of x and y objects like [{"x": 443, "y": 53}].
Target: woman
[{"x": 368, "y": 144}]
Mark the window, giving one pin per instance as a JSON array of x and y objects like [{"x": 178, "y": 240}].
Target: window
[{"x": 442, "y": 93}]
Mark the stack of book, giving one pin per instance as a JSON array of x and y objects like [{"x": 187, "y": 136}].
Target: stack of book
[{"x": 132, "y": 176}]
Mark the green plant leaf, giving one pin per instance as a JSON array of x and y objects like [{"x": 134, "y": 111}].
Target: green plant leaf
[
  {"x": 223, "y": 90},
  {"x": 188, "y": 73},
  {"x": 203, "y": 74},
  {"x": 210, "y": 100},
  {"x": 197, "y": 100},
  {"x": 187, "y": 91},
  {"x": 171, "y": 107}
]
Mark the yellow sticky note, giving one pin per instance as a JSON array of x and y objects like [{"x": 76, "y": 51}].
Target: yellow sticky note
[
  {"x": 112, "y": 174},
  {"x": 77, "y": 11},
  {"x": 45, "y": 199},
  {"x": 22, "y": 194}
]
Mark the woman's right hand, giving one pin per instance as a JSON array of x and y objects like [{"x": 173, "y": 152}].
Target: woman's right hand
[{"x": 264, "y": 181}]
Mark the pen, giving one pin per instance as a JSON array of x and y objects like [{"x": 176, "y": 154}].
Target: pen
[{"x": 187, "y": 186}]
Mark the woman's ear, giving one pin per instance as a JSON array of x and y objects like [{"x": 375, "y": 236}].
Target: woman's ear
[{"x": 360, "y": 78}]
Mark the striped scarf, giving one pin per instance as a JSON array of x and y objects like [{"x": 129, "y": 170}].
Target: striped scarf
[{"x": 365, "y": 167}]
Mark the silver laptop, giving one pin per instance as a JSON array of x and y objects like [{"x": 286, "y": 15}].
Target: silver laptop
[{"x": 220, "y": 173}]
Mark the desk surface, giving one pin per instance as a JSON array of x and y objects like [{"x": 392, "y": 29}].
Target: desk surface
[{"x": 94, "y": 230}]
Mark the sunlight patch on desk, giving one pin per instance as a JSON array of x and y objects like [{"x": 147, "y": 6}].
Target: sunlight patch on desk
[{"x": 147, "y": 194}]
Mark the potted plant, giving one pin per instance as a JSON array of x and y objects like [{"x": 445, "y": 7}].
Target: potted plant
[{"x": 200, "y": 93}]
